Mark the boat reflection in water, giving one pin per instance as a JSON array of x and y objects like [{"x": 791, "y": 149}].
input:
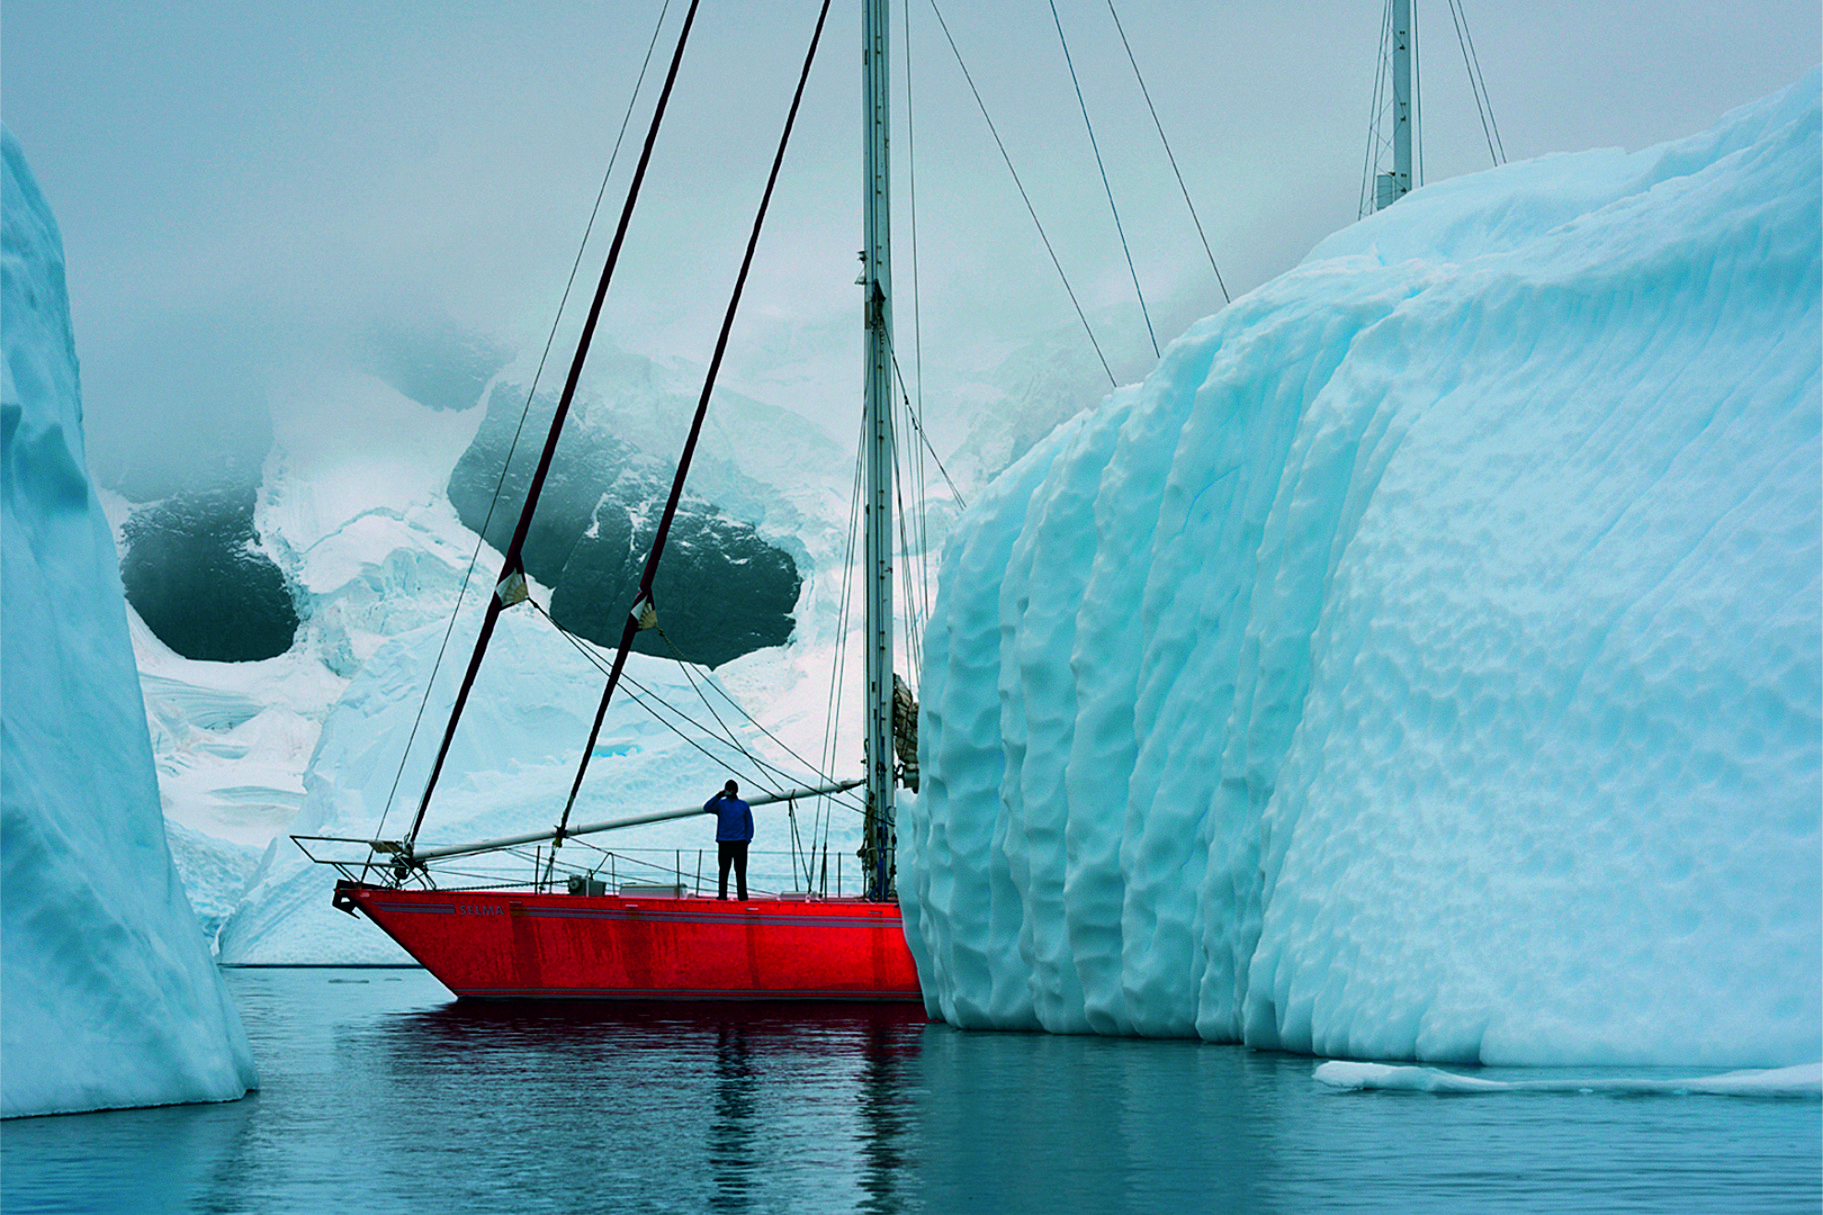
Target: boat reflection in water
[
  {"x": 718, "y": 1106},
  {"x": 377, "y": 1087}
]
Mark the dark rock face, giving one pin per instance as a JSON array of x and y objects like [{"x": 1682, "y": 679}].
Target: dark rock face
[
  {"x": 194, "y": 573},
  {"x": 587, "y": 461},
  {"x": 721, "y": 592}
]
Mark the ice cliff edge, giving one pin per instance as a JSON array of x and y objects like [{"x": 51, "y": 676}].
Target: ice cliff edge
[
  {"x": 108, "y": 996},
  {"x": 1424, "y": 661}
]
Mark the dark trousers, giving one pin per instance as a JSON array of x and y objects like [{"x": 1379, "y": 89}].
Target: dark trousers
[{"x": 732, "y": 852}]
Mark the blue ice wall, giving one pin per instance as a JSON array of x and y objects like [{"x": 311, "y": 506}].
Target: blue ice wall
[
  {"x": 108, "y": 996},
  {"x": 1424, "y": 661}
]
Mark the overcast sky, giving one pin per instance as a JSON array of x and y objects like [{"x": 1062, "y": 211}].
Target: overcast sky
[{"x": 245, "y": 189}]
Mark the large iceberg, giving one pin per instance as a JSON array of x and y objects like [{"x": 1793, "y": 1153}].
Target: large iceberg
[
  {"x": 108, "y": 996},
  {"x": 1424, "y": 661}
]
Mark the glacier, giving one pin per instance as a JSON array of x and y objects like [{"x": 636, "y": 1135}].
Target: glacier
[
  {"x": 1424, "y": 661},
  {"x": 108, "y": 995}
]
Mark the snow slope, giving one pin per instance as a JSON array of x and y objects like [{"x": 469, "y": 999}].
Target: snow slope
[
  {"x": 108, "y": 996},
  {"x": 509, "y": 771},
  {"x": 1424, "y": 661}
]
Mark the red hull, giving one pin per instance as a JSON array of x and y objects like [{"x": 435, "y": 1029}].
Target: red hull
[{"x": 517, "y": 945}]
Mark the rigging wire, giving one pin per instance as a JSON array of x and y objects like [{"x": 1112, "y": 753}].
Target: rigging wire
[
  {"x": 909, "y": 594},
  {"x": 917, "y": 318},
  {"x": 1471, "y": 62},
  {"x": 911, "y": 174},
  {"x": 1376, "y": 143},
  {"x": 1026, "y": 198},
  {"x": 917, "y": 590},
  {"x": 832, "y": 722},
  {"x": 524, "y": 412},
  {"x": 924, "y": 438},
  {"x": 1103, "y": 169},
  {"x": 646, "y": 698},
  {"x": 512, "y": 565},
  {"x": 702, "y": 408},
  {"x": 728, "y": 732},
  {"x": 921, "y": 497},
  {"x": 641, "y": 697},
  {"x": 1147, "y": 94},
  {"x": 916, "y": 609}
]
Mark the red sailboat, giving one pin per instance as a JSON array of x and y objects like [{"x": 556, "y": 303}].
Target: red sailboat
[
  {"x": 659, "y": 941},
  {"x": 528, "y": 945}
]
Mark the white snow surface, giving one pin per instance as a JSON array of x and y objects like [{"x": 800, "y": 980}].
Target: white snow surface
[
  {"x": 108, "y": 996},
  {"x": 509, "y": 771},
  {"x": 1423, "y": 662}
]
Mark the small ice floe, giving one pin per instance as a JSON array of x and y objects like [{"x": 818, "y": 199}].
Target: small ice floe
[{"x": 1804, "y": 1080}]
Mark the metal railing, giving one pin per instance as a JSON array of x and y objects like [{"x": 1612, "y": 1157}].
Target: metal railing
[{"x": 668, "y": 872}]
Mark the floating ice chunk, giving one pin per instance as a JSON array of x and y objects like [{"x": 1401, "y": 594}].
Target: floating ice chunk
[{"x": 1804, "y": 1080}]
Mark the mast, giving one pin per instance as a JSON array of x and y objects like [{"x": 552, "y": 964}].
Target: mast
[
  {"x": 1389, "y": 188},
  {"x": 1402, "y": 98},
  {"x": 876, "y": 277}
]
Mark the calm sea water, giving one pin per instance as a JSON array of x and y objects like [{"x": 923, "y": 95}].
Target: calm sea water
[{"x": 381, "y": 1092}]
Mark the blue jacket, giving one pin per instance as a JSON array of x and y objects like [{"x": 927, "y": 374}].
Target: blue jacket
[{"x": 733, "y": 818}]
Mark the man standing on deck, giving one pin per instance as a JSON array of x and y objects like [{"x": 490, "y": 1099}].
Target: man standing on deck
[{"x": 733, "y": 832}]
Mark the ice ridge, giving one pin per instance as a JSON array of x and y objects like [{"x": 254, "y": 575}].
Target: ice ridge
[{"x": 1423, "y": 662}]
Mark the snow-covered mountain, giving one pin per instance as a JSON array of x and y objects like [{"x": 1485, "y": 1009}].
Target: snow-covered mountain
[
  {"x": 351, "y": 519},
  {"x": 367, "y": 511},
  {"x": 1423, "y": 662},
  {"x": 108, "y": 996}
]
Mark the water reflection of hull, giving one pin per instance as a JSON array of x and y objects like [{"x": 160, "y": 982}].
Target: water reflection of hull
[
  {"x": 659, "y": 1105},
  {"x": 789, "y": 1034},
  {"x": 520, "y": 945}
]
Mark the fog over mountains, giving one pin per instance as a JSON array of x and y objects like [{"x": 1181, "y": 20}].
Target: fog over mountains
[{"x": 256, "y": 600}]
